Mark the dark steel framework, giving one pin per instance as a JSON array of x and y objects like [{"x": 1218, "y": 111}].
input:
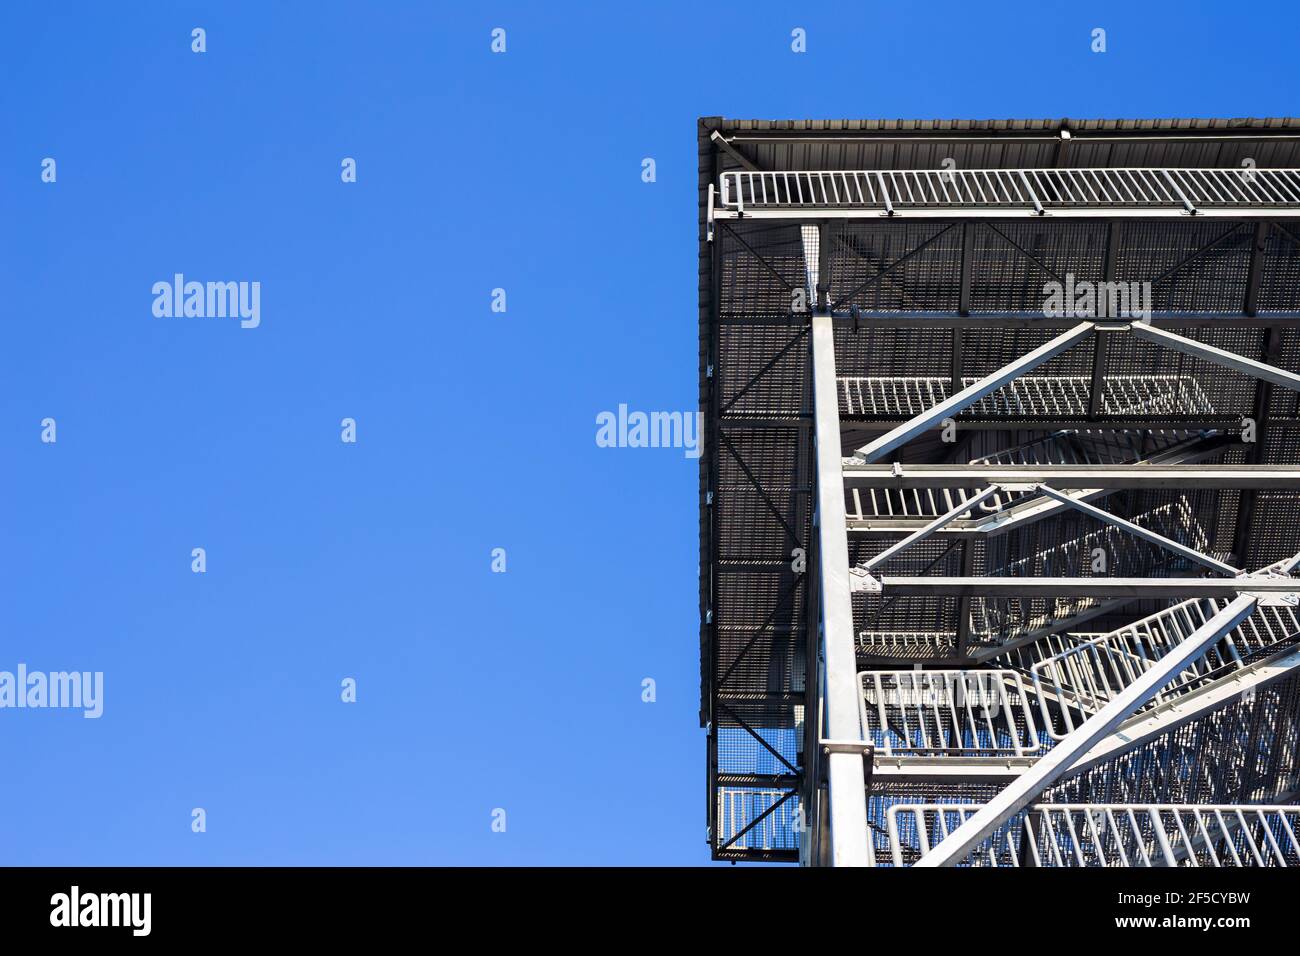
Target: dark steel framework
[{"x": 946, "y": 301}]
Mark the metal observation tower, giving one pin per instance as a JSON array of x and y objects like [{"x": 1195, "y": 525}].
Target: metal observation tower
[{"x": 1000, "y": 498}]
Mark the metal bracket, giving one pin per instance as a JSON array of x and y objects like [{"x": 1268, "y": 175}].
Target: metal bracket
[
  {"x": 861, "y": 582},
  {"x": 856, "y": 747},
  {"x": 709, "y": 220},
  {"x": 860, "y": 747},
  {"x": 1274, "y": 598}
]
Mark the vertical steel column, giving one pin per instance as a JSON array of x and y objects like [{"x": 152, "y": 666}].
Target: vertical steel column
[
  {"x": 1262, "y": 414},
  {"x": 1107, "y": 309},
  {"x": 847, "y": 789},
  {"x": 963, "y": 303}
]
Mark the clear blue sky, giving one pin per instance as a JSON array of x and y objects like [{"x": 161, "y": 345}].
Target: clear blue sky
[{"x": 475, "y": 430}]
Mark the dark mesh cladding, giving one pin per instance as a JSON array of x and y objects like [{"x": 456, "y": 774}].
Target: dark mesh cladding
[
  {"x": 988, "y": 350},
  {"x": 923, "y": 307},
  {"x": 761, "y": 263},
  {"x": 886, "y": 351},
  {"x": 763, "y": 372},
  {"x": 760, "y": 516},
  {"x": 877, "y": 267},
  {"x": 1017, "y": 259},
  {"x": 906, "y": 627},
  {"x": 1192, "y": 266},
  {"x": 1281, "y": 268}
]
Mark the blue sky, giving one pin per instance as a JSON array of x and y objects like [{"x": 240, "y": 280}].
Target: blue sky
[{"x": 475, "y": 429}]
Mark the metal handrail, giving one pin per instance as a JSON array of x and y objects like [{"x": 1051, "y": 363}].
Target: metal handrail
[{"x": 1182, "y": 191}]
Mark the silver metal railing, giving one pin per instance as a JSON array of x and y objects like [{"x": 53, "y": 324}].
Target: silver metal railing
[
  {"x": 904, "y": 396},
  {"x": 1065, "y": 191},
  {"x": 982, "y": 712}
]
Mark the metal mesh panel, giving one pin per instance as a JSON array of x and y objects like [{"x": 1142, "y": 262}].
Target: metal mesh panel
[
  {"x": 1192, "y": 266},
  {"x": 760, "y": 263},
  {"x": 1280, "y": 269},
  {"x": 1016, "y": 259},
  {"x": 890, "y": 351},
  {"x": 762, "y": 371},
  {"x": 888, "y": 625},
  {"x": 877, "y": 267}
]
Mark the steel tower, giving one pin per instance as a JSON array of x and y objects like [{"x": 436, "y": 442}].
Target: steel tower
[{"x": 999, "y": 500}]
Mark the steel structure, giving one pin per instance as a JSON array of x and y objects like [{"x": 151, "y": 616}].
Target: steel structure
[{"x": 1000, "y": 494}]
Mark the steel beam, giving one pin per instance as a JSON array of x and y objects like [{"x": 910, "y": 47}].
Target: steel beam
[
  {"x": 1034, "y": 509},
  {"x": 858, "y": 423},
  {"x": 1086, "y": 587},
  {"x": 846, "y": 774},
  {"x": 954, "y": 848},
  {"x": 1010, "y": 319},
  {"x": 723, "y": 144},
  {"x": 877, "y": 449},
  {"x": 1108, "y": 308},
  {"x": 1145, "y": 476},
  {"x": 1262, "y": 414},
  {"x": 1268, "y": 373}
]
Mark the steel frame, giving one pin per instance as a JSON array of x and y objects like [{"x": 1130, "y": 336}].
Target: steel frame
[{"x": 812, "y": 778}]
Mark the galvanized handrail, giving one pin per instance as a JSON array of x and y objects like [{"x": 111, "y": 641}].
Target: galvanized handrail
[
  {"x": 1059, "y": 191},
  {"x": 979, "y": 712}
]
